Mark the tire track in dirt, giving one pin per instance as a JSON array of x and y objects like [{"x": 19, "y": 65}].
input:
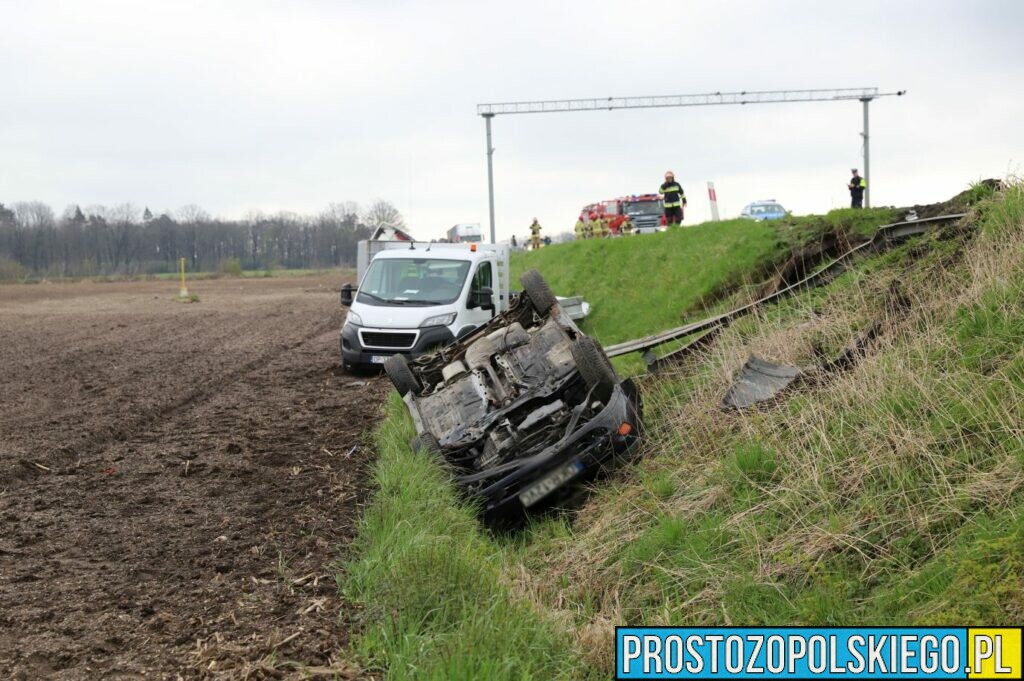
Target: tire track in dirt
[
  {"x": 100, "y": 439},
  {"x": 195, "y": 544},
  {"x": 166, "y": 387}
]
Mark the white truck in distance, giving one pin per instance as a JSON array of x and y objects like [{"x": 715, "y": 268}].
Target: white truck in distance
[
  {"x": 414, "y": 297},
  {"x": 465, "y": 232}
]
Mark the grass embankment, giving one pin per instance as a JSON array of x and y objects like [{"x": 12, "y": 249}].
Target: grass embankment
[
  {"x": 643, "y": 284},
  {"x": 439, "y": 602},
  {"x": 890, "y": 493},
  {"x": 647, "y": 283}
]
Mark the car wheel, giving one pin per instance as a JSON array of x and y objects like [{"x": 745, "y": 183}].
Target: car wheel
[
  {"x": 594, "y": 367},
  {"x": 426, "y": 443},
  {"x": 538, "y": 291},
  {"x": 397, "y": 369}
]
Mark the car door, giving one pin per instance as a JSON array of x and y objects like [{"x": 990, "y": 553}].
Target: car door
[{"x": 483, "y": 277}]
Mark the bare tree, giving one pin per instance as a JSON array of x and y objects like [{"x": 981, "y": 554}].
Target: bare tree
[
  {"x": 190, "y": 216},
  {"x": 342, "y": 212},
  {"x": 383, "y": 214},
  {"x": 38, "y": 234},
  {"x": 102, "y": 239}
]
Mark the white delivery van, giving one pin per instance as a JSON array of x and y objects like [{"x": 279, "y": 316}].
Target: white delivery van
[{"x": 413, "y": 297}]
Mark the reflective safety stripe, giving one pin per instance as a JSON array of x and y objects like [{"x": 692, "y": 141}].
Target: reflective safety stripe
[
  {"x": 863, "y": 184},
  {"x": 675, "y": 204}
]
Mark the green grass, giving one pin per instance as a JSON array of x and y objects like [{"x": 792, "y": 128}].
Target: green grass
[
  {"x": 437, "y": 602},
  {"x": 892, "y": 493},
  {"x": 642, "y": 284},
  {"x": 889, "y": 495}
]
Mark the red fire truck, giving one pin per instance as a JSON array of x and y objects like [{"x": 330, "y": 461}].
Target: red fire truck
[{"x": 644, "y": 210}]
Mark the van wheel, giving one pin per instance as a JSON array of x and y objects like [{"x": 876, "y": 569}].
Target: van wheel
[
  {"x": 397, "y": 369},
  {"x": 594, "y": 367},
  {"x": 538, "y": 291}
]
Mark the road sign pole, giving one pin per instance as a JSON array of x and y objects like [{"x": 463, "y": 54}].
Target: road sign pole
[
  {"x": 867, "y": 156},
  {"x": 713, "y": 199},
  {"x": 490, "y": 173}
]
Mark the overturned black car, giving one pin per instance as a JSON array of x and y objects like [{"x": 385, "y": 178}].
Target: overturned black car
[{"x": 524, "y": 409}]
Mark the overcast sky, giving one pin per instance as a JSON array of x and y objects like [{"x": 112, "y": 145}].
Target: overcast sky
[{"x": 250, "y": 105}]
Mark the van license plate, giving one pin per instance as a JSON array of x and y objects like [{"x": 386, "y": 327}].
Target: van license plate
[
  {"x": 378, "y": 359},
  {"x": 553, "y": 481}
]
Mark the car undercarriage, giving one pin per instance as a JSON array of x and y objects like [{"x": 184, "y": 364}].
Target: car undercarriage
[{"x": 523, "y": 410}]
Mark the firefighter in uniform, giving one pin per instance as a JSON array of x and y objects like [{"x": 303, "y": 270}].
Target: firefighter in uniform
[
  {"x": 535, "y": 234},
  {"x": 627, "y": 227},
  {"x": 600, "y": 228},
  {"x": 857, "y": 186},
  {"x": 580, "y": 227},
  {"x": 674, "y": 199}
]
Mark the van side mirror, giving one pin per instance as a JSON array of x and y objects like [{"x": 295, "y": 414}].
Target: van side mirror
[
  {"x": 347, "y": 294},
  {"x": 482, "y": 298}
]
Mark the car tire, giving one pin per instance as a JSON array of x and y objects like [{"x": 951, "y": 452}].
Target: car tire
[
  {"x": 538, "y": 291},
  {"x": 397, "y": 369},
  {"x": 426, "y": 444},
  {"x": 594, "y": 366}
]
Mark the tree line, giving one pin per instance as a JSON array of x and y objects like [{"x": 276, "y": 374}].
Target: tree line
[{"x": 123, "y": 239}]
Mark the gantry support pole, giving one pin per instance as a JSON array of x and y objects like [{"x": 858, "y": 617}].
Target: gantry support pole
[
  {"x": 867, "y": 155},
  {"x": 490, "y": 173}
]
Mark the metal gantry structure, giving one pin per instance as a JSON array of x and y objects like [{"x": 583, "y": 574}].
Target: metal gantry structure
[{"x": 863, "y": 94}]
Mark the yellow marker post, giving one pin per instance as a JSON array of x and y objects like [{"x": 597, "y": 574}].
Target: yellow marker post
[{"x": 184, "y": 289}]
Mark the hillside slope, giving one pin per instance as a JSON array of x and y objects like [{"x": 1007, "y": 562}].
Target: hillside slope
[
  {"x": 643, "y": 284},
  {"x": 888, "y": 493}
]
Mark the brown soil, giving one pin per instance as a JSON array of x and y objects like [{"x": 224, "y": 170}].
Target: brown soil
[
  {"x": 176, "y": 479},
  {"x": 806, "y": 259}
]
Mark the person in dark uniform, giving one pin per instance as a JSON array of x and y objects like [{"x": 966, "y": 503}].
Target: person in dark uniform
[
  {"x": 674, "y": 199},
  {"x": 857, "y": 186}
]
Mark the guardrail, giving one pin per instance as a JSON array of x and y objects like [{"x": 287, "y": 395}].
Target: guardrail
[{"x": 885, "y": 235}]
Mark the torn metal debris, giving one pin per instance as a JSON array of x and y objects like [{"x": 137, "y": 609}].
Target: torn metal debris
[{"x": 759, "y": 381}]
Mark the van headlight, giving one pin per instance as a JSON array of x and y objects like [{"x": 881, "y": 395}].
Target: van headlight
[
  {"x": 353, "y": 319},
  {"x": 439, "y": 320}
]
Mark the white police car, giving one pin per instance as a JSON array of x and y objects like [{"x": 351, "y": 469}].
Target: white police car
[{"x": 769, "y": 209}]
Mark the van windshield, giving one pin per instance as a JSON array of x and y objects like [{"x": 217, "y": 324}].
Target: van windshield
[{"x": 413, "y": 281}]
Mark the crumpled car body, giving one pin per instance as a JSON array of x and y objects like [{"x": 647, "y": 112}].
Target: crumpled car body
[{"x": 524, "y": 410}]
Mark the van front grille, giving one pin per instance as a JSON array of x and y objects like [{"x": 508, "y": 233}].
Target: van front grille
[{"x": 393, "y": 340}]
